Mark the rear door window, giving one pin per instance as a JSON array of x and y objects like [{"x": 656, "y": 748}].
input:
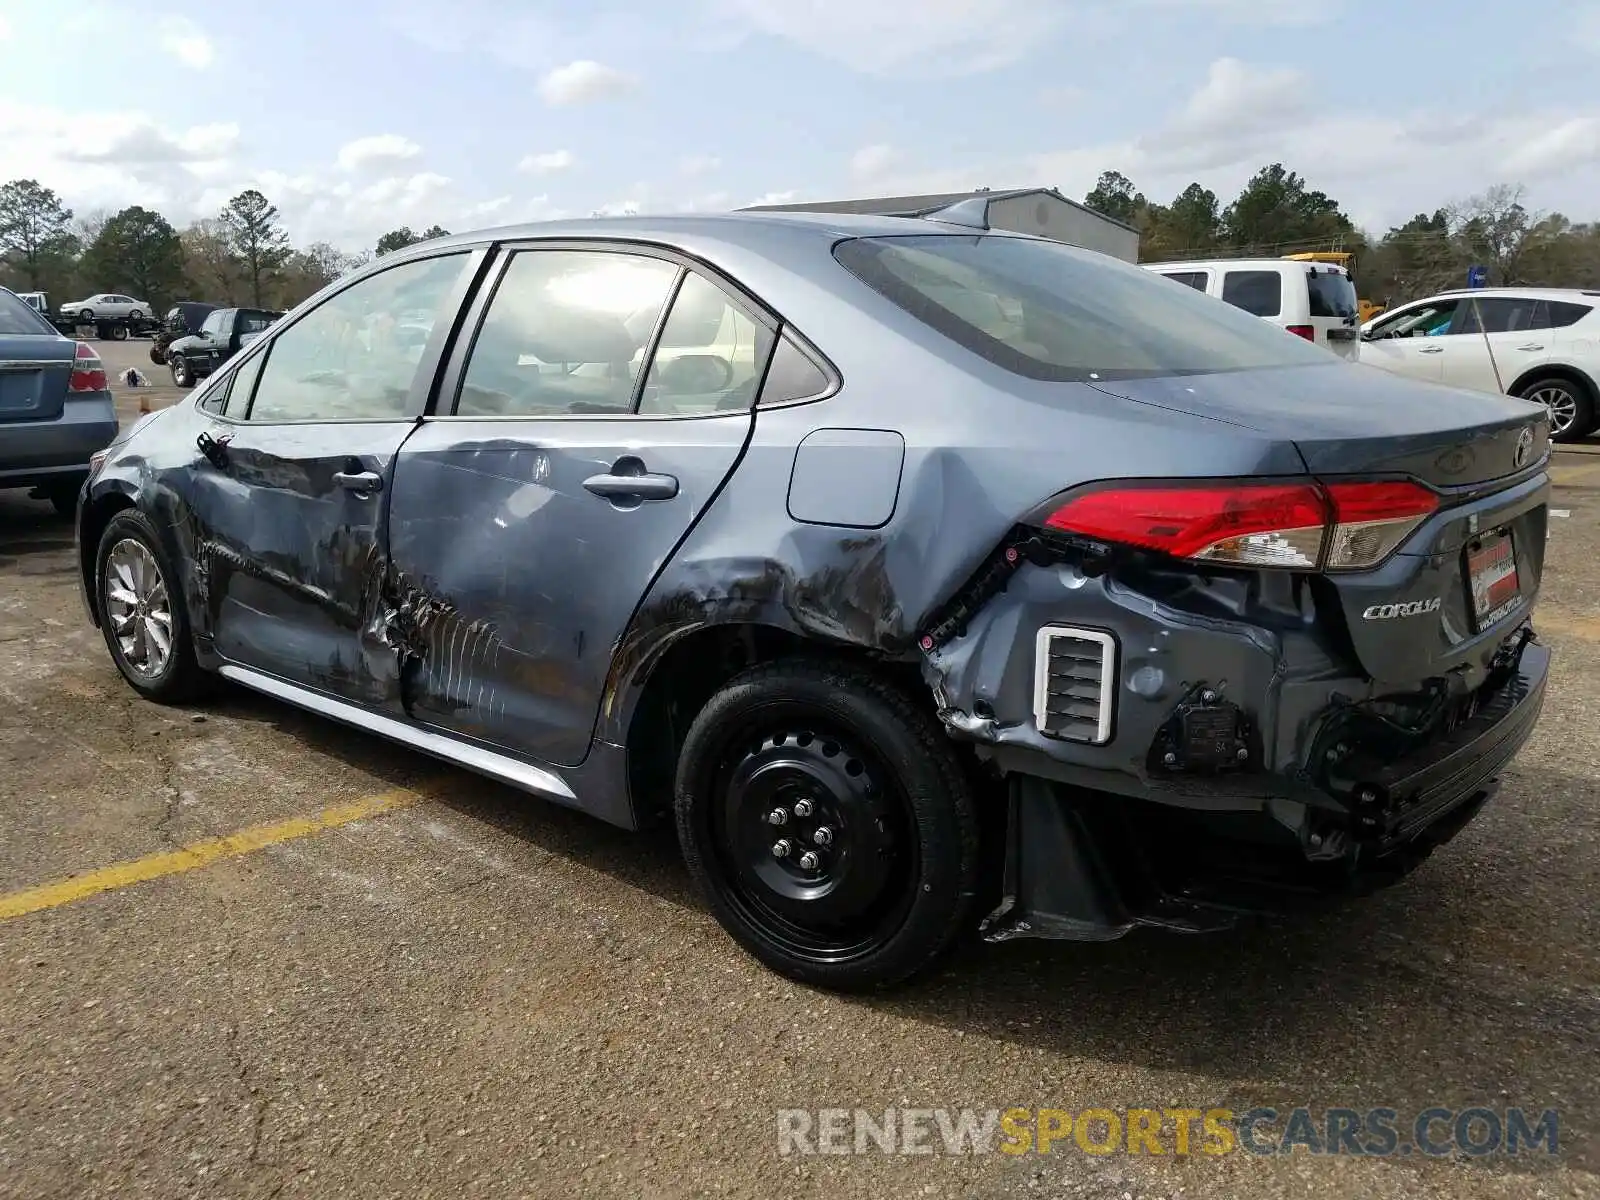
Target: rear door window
[
  {"x": 1257, "y": 292},
  {"x": 565, "y": 334},
  {"x": 1332, "y": 294}
]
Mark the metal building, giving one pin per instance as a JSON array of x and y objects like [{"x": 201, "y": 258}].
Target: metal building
[{"x": 1044, "y": 212}]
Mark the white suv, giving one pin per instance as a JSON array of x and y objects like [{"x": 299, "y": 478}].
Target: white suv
[
  {"x": 106, "y": 306},
  {"x": 1317, "y": 301},
  {"x": 1542, "y": 344}
]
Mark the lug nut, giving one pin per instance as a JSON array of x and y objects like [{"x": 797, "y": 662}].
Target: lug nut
[
  {"x": 809, "y": 861},
  {"x": 778, "y": 816},
  {"x": 803, "y": 808},
  {"x": 781, "y": 848},
  {"x": 823, "y": 836}
]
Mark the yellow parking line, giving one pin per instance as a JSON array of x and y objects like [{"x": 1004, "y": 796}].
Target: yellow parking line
[{"x": 199, "y": 854}]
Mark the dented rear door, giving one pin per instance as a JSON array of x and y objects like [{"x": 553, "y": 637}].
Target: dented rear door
[{"x": 601, "y": 401}]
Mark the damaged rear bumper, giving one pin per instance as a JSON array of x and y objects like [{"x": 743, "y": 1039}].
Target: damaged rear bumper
[{"x": 1091, "y": 865}]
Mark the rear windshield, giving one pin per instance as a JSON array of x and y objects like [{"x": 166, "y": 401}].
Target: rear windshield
[
  {"x": 17, "y": 317},
  {"x": 1332, "y": 294},
  {"x": 1053, "y": 312}
]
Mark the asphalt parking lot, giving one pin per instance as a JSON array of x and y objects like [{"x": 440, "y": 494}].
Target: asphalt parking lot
[{"x": 407, "y": 981}]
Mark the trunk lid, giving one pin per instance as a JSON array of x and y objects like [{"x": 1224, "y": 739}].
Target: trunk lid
[
  {"x": 34, "y": 372},
  {"x": 1470, "y": 572},
  {"x": 1358, "y": 420}
]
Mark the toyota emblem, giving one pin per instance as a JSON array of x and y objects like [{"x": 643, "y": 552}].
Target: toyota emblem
[{"x": 1524, "y": 447}]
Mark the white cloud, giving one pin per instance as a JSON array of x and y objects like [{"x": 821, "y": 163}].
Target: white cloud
[
  {"x": 695, "y": 165},
  {"x": 583, "y": 82},
  {"x": 186, "y": 42},
  {"x": 546, "y": 164},
  {"x": 380, "y": 150},
  {"x": 883, "y": 37},
  {"x": 784, "y": 197},
  {"x": 5, "y": 28},
  {"x": 873, "y": 162}
]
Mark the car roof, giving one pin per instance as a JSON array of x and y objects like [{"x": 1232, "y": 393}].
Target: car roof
[
  {"x": 1253, "y": 264},
  {"x": 1579, "y": 295},
  {"x": 745, "y": 228}
]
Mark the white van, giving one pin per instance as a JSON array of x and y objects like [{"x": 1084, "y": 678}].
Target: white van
[{"x": 1315, "y": 300}]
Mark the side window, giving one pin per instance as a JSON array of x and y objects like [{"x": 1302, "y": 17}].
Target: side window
[
  {"x": 1500, "y": 314},
  {"x": 213, "y": 323},
  {"x": 792, "y": 376},
  {"x": 1194, "y": 279},
  {"x": 243, "y": 386},
  {"x": 710, "y": 357},
  {"x": 216, "y": 398},
  {"x": 354, "y": 356},
  {"x": 1422, "y": 320},
  {"x": 1258, "y": 292},
  {"x": 565, "y": 334},
  {"x": 254, "y": 322},
  {"x": 1564, "y": 313}
]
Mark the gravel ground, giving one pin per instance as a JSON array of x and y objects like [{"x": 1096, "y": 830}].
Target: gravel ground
[{"x": 482, "y": 995}]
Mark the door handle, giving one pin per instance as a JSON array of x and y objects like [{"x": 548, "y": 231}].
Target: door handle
[
  {"x": 633, "y": 487},
  {"x": 361, "y": 482},
  {"x": 1430, "y": 350},
  {"x": 629, "y": 479},
  {"x": 1530, "y": 347}
]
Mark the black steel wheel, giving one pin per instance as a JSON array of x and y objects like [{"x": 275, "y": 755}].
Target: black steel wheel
[{"x": 829, "y": 824}]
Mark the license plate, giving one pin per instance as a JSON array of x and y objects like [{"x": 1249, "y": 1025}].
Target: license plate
[{"x": 1492, "y": 578}]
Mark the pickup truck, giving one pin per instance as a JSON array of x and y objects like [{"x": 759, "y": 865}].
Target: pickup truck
[{"x": 222, "y": 335}]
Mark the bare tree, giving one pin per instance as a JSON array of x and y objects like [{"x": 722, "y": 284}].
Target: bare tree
[{"x": 1498, "y": 230}]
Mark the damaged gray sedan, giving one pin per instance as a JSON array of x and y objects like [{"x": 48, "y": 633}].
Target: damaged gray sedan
[{"x": 932, "y": 579}]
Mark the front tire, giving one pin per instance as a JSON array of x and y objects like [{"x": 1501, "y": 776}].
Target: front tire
[
  {"x": 182, "y": 376},
  {"x": 863, "y": 780},
  {"x": 1570, "y": 405},
  {"x": 142, "y": 616},
  {"x": 84, "y": 316}
]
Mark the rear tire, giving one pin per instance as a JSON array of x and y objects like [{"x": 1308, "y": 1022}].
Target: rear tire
[
  {"x": 139, "y": 600},
  {"x": 832, "y": 748},
  {"x": 1571, "y": 406}
]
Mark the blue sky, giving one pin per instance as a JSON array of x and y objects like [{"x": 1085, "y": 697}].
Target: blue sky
[{"x": 355, "y": 116}]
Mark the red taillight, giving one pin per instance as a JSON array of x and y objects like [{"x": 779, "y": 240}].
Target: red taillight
[
  {"x": 1304, "y": 526},
  {"x": 88, "y": 372},
  {"x": 1304, "y": 331}
]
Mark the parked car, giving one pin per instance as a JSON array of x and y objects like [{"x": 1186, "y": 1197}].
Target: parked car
[
  {"x": 106, "y": 305},
  {"x": 1000, "y": 585},
  {"x": 1317, "y": 301},
  {"x": 221, "y": 335},
  {"x": 182, "y": 319},
  {"x": 55, "y": 406},
  {"x": 1542, "y": 344}
]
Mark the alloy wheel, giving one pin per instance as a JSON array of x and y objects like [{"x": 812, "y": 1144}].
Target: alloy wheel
[
  {"x": 139, "y": 608},
  {"x": 1560, "y": 401}
]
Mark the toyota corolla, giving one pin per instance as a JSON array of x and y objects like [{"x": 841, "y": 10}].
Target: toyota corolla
[{"x": 932, "y": 579}]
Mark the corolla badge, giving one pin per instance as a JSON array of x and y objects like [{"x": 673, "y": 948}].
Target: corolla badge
[
  {"x": 1410, "y": 608},
  {"x": 1524, "y": 450}
]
